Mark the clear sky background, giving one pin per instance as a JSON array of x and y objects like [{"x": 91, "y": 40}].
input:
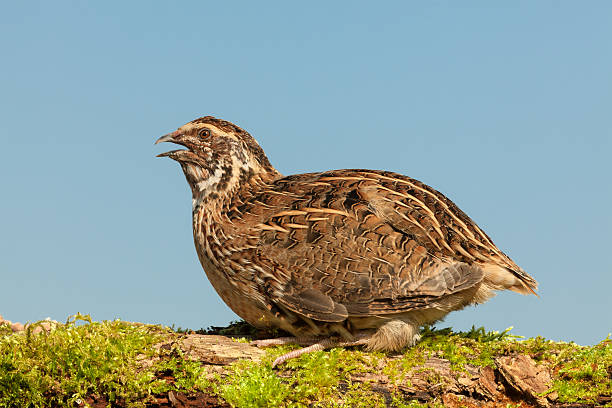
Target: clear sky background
[{"x": 505, "y": 107}]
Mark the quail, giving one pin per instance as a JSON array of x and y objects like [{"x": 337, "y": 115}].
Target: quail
[{"x": 336, "y": 258}]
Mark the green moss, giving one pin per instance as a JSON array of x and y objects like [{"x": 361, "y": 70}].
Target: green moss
[
  {"x": 5, "y": 330},
  {"x": 253, "y": 385},
  {"x": 585, "y": 374},
  {"x": 181, "y": 373},
  {"x": 475, "y": 347},
  {"x": 398, "y": 402},
  {"x": 359, "y": 395},
  {"x": 398, "y": 369},
  {"x": 84, "y": 358},
  {"x": 73, "y": 362},
  {"x": 309, "y": 379},
  {"x": 121, "y": 362},
  {"x": 241, "y": 340}
]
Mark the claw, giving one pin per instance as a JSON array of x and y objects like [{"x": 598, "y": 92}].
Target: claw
[{"x": 322, "y": 344}]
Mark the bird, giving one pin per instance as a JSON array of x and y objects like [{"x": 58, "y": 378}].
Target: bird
[{"x": 335, "y": 258}]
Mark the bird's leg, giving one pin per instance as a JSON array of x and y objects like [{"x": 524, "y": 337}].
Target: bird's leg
[
  {"x": 322, "y": 345},
  {"x": 395, "y": 335},
  {"x": 281, "y": 341},
  {"x": 304, "y": 340}
]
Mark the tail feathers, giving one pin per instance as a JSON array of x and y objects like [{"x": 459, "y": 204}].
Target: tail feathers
[{"x": 502, "y": 278}]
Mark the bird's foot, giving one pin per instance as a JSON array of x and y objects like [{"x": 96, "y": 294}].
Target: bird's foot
[
  {"x": 319, "y": 345},
  {"x": 281, "y": 341}
]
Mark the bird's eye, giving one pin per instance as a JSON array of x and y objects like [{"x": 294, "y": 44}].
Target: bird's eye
[{"x": 204, "y": 132}]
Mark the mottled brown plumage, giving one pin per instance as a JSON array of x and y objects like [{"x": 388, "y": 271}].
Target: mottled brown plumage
[{"x": 365, "y": 255}]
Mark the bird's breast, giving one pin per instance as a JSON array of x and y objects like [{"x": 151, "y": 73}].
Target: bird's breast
[{"x": 226, "y": 258}]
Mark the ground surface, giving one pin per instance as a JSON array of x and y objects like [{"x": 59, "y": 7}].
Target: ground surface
[{"x": 121, "y": 364}]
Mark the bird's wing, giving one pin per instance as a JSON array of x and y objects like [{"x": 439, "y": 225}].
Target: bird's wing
[{"x": 357, "y": 243}]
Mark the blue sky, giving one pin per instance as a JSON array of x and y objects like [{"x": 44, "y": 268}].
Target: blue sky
[{"x": 504, "y": 107}]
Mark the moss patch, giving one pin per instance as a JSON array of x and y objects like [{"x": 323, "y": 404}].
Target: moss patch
[
  {"x": 125, "y": 365},
  {"x": 83, "y": 358}
]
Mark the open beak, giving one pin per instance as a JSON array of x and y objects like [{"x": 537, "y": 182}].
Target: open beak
[{"x": 170, "y": 137}]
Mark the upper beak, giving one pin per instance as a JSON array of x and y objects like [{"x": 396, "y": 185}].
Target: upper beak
[{"x": 168, "y": 138}]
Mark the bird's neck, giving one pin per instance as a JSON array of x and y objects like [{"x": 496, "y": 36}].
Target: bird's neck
[{"x": 217, "y": 187}]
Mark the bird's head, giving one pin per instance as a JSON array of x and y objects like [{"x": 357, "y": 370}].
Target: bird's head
[{"x": 219, "y": 156}]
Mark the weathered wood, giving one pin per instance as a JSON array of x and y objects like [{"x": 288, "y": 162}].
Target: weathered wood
[
  {"x": 218, "y": 350},
  {"x": 516, "y": 379}
]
